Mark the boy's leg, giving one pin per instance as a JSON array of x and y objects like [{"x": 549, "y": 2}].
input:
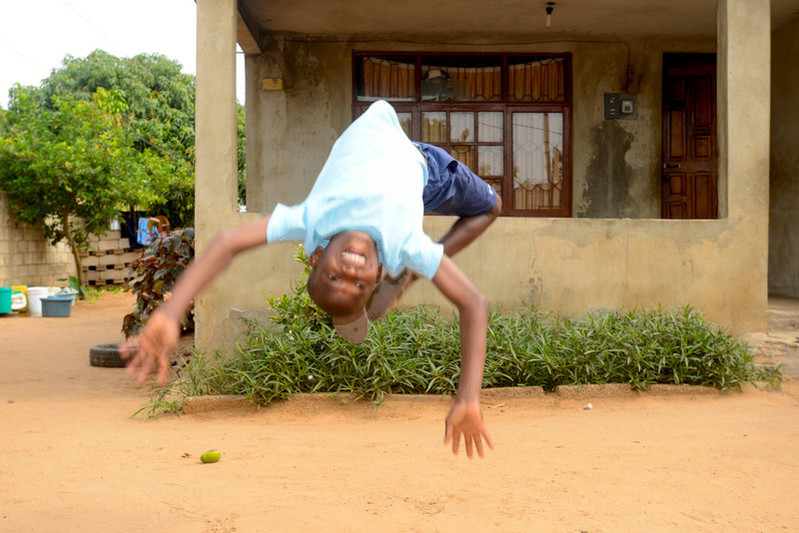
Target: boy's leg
[{"x": 465, "y": 230}]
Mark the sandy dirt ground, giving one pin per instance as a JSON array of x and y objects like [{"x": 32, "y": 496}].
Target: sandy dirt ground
[{"x": 74, "y": 460}]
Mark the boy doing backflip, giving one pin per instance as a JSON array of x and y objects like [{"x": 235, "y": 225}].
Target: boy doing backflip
[{"x": 363, "y": 215}]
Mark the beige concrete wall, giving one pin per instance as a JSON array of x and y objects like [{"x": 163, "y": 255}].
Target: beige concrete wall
[
  {"x": 568, "y": 266},
  {"x": 572, "y": 266},
  {"x": 26, "y": 258},
  {"x": 616, "y": 163},
  {"x": 784, "y": 197}
]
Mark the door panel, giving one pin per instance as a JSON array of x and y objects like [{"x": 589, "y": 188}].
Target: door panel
[{"x": 690, "y": 160}]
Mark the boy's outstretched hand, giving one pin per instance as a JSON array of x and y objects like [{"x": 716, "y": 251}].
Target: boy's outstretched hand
[
  {"x": 466, "y": 419},
  {"x": 156, "y": 342}
]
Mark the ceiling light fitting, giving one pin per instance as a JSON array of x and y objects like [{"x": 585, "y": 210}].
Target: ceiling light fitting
[{"x": 550, "y": 8}]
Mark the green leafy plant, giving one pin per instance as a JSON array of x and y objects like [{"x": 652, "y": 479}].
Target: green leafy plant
[
  {"x": 154, "y": 275},
  {"x": 418, "y": 351}
]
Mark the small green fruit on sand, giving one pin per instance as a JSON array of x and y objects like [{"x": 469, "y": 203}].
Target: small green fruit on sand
[{"x": 211, "y": 456}]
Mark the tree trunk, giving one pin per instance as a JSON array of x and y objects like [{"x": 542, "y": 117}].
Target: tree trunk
[{"x": 75, "y": 251}]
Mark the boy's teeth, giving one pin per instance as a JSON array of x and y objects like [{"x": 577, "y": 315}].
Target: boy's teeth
[{"x": 355, "y": 257}]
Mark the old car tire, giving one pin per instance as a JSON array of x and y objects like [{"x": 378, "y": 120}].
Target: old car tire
[{"x": 106, "y": 355}]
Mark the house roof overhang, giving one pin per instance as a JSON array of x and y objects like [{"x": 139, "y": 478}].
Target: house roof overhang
[{"x": 500, "y": 20}]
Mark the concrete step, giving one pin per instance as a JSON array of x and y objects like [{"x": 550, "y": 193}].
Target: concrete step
[
  {"x": 780, "y": 345},
  {"x": 783, "y": 314}
]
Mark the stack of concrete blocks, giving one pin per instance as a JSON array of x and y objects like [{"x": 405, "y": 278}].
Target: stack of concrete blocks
[{"x": 108, "y": 261}]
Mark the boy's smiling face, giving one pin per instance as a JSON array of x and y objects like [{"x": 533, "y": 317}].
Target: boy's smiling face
[{"x": 345, "y": 273}]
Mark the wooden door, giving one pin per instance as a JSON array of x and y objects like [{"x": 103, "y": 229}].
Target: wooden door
[{"x": 690, "y": 149}]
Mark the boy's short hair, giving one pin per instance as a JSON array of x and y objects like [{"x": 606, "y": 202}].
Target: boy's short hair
[{"x": 351, "y": 325}]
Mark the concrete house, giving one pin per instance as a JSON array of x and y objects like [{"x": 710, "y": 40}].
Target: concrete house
[{"x": 646, "y": 151}]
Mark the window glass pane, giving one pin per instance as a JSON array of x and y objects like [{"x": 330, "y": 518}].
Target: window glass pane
[
  {"x": 489, "y": 127},
  {"x": 491, "y": 161},
  {"x": 461, "y": 127},
  {"x": 460, "y": 102},
  {"x": 537, "y": 160},
  {"x": 462, "y": 78},
  {"x": 464, "y": 154},
  {"x": 406, "y": 119},
  {"x": 497, "y": 184},
  {"x": 437, "y": 86},
  {"x": 387, "y": 78},
  {"x": 434, "y": 127},
  {"x": 536, "y": 81}
]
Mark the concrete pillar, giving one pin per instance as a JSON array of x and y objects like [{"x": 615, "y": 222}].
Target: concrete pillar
[
  {"x": 784, "y": 198},
  {"x": 216, "y": 165},
  {"x": 744, "y": 74},
  {"x": 744, "y": 86}
]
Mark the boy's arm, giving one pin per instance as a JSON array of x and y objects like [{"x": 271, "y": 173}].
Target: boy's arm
[
  {"x": 159, "y": 338},
  {"x": 466, "y": 417}
]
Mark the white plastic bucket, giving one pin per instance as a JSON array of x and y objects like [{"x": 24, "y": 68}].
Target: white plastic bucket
[{"x": 35, "y": 295}]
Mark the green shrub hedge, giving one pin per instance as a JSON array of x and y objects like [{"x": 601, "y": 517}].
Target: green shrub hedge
[{"x": 418, "y": 351}]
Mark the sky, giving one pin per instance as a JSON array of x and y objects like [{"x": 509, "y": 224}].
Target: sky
[{"x": 36, "y": 35}]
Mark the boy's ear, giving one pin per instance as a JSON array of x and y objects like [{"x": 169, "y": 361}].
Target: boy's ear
[{"x": 315, "y": 256}]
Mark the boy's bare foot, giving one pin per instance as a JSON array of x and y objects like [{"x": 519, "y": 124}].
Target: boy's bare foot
[{"x": 387, "y": 294}]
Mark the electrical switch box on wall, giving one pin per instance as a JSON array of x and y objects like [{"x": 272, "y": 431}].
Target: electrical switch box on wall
[{"x": 621, "y": 106}]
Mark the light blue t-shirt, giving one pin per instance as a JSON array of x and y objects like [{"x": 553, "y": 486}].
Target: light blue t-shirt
[{"x": 373, "y": 182}]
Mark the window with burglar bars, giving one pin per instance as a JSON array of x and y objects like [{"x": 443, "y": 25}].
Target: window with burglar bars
[{"x": 506, "y": 116}]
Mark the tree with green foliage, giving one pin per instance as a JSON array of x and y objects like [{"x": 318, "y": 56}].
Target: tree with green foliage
[
  {"x": 159, "y": 115},
  {"x": 102, "y": 135},
  {"x": 68, "y": 167}
]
